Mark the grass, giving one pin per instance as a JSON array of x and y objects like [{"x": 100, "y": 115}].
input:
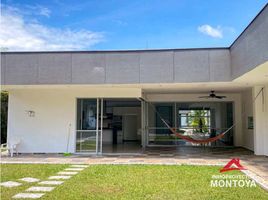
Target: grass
[
  {"x": 13, "y": 172},
  {"x": 67, "y": 154},
  {"x": 130, "y": 182}
]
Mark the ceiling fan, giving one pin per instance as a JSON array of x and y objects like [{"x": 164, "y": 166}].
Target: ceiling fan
[{"x": 212, "y": 95}]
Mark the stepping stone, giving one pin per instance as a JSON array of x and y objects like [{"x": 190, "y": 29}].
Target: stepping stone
[
  {"x": 67, "y": 173},
  {"x": 59, "y": 177},
  {"x": 51, "y": 182},
  {"x": 28, "y": 195},
  {"x": 29, "y": 179},
  {"x": 82, "y": 166},
  {"x": 10, "y": 184},
  {"x": 74, "y": 169},
  {"x": 40, "y": 189}
]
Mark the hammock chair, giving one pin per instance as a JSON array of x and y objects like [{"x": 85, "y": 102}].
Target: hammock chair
[{"x": 188, "y": 138}]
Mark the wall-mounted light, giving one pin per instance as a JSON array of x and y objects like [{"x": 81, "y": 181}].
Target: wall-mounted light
[{"x": 30, "y": 113}]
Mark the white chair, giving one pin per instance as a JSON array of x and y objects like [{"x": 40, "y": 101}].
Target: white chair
[
  {"x": 3, "y": 147},
  {"x": 12, "y": 146}
]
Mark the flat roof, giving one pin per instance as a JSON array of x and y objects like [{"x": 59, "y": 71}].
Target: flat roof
[{"x": 120, "y": 51}]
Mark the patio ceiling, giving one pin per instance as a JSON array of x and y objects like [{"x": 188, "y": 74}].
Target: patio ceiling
[
  {"x": 219, "y": 87},
  {"x": 257, "y": 76}
]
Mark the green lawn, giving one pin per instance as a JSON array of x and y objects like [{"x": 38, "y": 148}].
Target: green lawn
[
  {"x": 130, "y": 182},
  {"x": 13, "y": 172}
]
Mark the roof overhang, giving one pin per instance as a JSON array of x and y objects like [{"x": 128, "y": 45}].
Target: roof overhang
[{"x": 257, "y": 76}]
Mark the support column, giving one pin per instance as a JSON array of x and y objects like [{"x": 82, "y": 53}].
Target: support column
[{"x": 260, "y": 109}]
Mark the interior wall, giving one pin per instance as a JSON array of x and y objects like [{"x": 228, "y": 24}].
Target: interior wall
[
  {"x": 247, "y": 111},
  {"x": 130, "y": 130},
  {"x": 129, "y": 111},
  {"x": 126, "y": 111}
]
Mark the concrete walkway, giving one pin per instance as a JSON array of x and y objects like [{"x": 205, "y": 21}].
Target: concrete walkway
[{"x": 257, "y": 165}]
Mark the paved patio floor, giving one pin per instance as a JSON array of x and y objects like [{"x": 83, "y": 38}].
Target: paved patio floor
[{"x": 256, "y": 165}]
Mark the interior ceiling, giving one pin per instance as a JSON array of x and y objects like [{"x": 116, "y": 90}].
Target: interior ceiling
[{"x": 259, "y": 75}]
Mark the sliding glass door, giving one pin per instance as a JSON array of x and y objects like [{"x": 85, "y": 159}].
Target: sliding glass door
[
  {"x": 89, "y": 125},
  {"x": 198, "y": 120}
]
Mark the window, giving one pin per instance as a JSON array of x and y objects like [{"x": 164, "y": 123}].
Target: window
[{"x": 196, "y": 119}]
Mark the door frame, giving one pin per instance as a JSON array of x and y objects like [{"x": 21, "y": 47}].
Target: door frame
[{"x": 99, "y": 126}]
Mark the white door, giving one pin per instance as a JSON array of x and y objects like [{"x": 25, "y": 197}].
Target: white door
[{"x": 130, "y": 127}]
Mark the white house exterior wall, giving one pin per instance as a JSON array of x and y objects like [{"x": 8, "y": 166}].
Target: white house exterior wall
[{"x": 55, "y": 115}]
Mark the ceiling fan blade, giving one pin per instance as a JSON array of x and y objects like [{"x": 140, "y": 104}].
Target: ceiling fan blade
[
  {"x": 212, "y": 95},
  {"x": 220, "y": 97},
  {"x": 206, "y": 97}
]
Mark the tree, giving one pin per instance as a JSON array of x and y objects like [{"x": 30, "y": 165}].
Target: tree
[
  {"x": 198, "y": 120},
  {"x": 4, "y": 108}
]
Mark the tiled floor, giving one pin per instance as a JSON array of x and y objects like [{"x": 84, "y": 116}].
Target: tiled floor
[
  {"x": 168, "y": 155},
  {"x": 126, "y": 147}
]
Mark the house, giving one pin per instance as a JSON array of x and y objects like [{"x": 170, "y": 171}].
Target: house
[{"x": 113, "y": 101}]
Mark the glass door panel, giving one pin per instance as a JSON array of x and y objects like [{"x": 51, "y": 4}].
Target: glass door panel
[
  {"x": 86, "y": 114},
  {"x": 86, "y": 141},
  {"x": 158, "y": 132},
  {"x": 89, "y": 125},
  {"x": 86, "y": 132}
]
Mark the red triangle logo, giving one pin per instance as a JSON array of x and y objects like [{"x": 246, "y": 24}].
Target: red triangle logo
[{"x": 235, "y": 162}]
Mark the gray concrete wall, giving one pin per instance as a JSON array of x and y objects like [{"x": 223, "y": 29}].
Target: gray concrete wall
[
  {"x": 251, "y": 48},
  {"x": 202, "y": 66},
  {"x": 144, "y": 66},
  {"x": 167, "y": 66}
]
